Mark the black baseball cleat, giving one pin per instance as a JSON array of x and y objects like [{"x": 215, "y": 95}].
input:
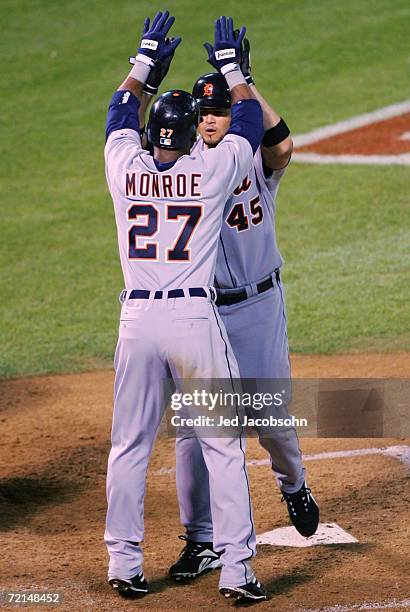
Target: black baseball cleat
[
  {"x": 195, "y": 559},
  {"x": 133, "y": 588},
  {"x": 303, "y": 510},
  {"x": 251, "y": 592}
]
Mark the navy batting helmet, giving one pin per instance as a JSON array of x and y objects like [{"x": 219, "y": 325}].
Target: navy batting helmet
[
  {"x": 173, "y": 120},
  {"x": 212, "y": 91}
]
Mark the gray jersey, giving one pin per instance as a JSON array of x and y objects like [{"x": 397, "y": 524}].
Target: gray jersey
[
  {"x": 168, "y": 219},
  {"x": 248, "y": 250},
  {"x": 168, "y": 222}
]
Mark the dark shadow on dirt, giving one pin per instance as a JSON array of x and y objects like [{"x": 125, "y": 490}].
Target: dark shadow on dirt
[
  {"x": 60, "y": 480},
  {"x": 22, "y": 497},
  {"x": 313, "y": 568}
]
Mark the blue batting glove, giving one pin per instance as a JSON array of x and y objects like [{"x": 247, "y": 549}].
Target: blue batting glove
[
  {"x": 153, "y": 44},
  {"x": 226, "y": 52},
  {"x": 160, "y": 69}
]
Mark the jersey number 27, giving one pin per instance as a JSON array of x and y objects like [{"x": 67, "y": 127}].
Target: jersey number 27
[{"x": 179, "y": 251}]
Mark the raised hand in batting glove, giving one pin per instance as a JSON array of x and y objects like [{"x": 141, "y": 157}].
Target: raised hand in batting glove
[
  {"x": 225, "y": 55},
  {"x": 245, "y": 63},
  {"x": 158, "y": 72},
  {"x": 161, "y": 67},
  {"x": 153, "y": 46}
]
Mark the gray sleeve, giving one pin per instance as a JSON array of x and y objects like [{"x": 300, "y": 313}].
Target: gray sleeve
[
  {"x": 121, "y": 146},
  {"x": 272, "y": 182},
  {"x": 229, "y": 162}
]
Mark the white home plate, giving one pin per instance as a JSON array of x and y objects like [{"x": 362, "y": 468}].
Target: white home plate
[{"x": 327, "y": 533}]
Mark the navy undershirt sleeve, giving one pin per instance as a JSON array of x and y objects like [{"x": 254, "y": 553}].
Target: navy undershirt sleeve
[
  {"x": 267, "y": 171},
  {"x": 247, "y": 121},
  {"x": 122, "y": 113},
  {"x": 163, "y": 166}
]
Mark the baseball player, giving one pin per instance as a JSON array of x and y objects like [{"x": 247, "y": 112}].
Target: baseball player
[
  {"x": 251, "y": 303},
  {"x": 168, "y": 210}
]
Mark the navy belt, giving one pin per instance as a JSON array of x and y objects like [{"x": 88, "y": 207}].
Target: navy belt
[
  {"x": 234, "y": 297},
  {"x": 144, "y": 294}
]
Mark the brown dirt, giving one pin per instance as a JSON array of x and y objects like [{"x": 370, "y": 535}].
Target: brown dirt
[
  {"x": 379, "y": 138},
  {"x": 53, "y": 452}
]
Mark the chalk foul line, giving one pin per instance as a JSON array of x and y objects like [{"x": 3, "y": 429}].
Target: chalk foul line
[
  {"x": 347, "y": 125},
  {"x": 371, "y": 605},
  {"x": 387, "y": 112},
  {"x": 402, "y": 159},
  {"x": 399, "y": 452}
]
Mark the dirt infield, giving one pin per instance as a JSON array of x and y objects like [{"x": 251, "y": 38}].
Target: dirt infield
[
  {"x": 54, "y": 447},
  {"x": 390, "y": 137},
  {"x": 380, "y": 137}
]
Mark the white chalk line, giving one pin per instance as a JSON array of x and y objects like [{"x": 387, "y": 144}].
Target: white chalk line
[
  {"x": 382, "y": 605},
  {"x": 387, "y": 112},
  {"x": 400, "y": 452},
  {"x": 373, "y": 160}
]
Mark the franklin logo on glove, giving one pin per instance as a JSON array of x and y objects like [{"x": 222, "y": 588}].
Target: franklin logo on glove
[
  {"x": 149, "y": 44},
  {"x": 224, "y": 53}
]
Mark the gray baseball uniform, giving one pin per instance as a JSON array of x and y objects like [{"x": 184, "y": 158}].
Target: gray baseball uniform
[
  {"x": 168, "y": 222},
  {"x": 247, "y": 255}
]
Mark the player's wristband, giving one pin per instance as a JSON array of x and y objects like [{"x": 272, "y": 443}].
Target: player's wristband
[
  {"x": 231, "y": 67},
  {"x": 141, "y": 69},
  {"x": 150, "y": 90},
  {"x": 233, "y": 76},
  {"x": 276, "y": 134}
]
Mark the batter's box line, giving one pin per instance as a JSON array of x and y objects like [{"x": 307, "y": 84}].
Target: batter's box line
[{"x": 399, "y": 452}]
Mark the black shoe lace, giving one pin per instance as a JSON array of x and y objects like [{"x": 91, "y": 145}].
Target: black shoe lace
[
  {"x": 298, "y": 502},
  {"x": 191, "y": 548}
]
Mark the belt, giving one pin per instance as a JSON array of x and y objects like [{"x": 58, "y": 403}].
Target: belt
[
  {"x": 144, "y": 294},
  {"x": 240, "y": 295}
]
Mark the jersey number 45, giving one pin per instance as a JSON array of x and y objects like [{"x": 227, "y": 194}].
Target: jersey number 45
[
  {"x": 150, "y": 227},
  {"x": 238, "y": 218}
]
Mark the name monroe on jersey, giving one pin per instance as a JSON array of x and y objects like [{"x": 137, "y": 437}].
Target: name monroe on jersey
[{"x": 161, "y": 185}]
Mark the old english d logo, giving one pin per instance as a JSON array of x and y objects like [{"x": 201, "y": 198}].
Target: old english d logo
[{"x": 208, "y": 89}]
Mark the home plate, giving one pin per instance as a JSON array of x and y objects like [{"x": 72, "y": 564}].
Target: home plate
[{"x": 327, "y": 533}]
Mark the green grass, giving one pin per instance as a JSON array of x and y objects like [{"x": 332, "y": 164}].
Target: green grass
[
  {"x": 342, "y": 229},
  {"x": 347, "y": 267}
]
